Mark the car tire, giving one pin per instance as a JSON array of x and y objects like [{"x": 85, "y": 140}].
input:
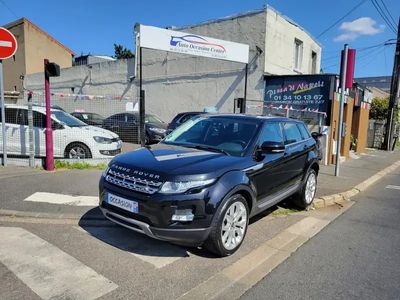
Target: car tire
[
  {"x": 77, "y": 151},
  {"x": 227, "y": 231},
  {"x": 306, "y": 195}
]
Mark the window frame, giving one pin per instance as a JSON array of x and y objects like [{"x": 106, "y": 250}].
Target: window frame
[
  {"x": 298, "y": 54},
  {"x": 284, "y": 131},
  {"x": 279, "y": 124}
]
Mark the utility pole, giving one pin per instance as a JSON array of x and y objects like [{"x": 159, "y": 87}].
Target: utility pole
[
  {"x": 394, "y": 87},
  {"x": 341, "y": 108}
]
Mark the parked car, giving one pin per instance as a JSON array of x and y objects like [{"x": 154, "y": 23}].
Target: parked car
[
  {"x": 181, "y": 118},
  {"x": 126, "y": 125},
  {"x": 71, "y": 137},
  {"x": 203, "y": 182},
  {"x": 89, "y": 118}
]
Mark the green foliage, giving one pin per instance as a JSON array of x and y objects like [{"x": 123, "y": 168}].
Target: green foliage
[
  {"x": 379, "y": 108},
  {"x": 61, "y": 164},
  {"x": 120, "y": 52}
]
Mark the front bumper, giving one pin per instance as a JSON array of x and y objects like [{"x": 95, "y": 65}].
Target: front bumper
[
  {"x": 106, "y": 150},
  {"x": 155, "y": 214},
  {"x": 187, "y": 237}
]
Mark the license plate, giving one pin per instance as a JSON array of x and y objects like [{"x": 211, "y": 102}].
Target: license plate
[{"x": 122, "y": 203}]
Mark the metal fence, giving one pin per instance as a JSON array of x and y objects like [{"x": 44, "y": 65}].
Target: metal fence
[
  {"x": 314, "y": 119},
  {"x": 94, "y": 127}
]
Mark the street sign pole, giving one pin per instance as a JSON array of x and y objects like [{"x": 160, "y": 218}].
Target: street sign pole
[
  {"x": 49, "y": 131},
  {"x": 3, "y": 116},
  {"x": 341, "y": 108}
]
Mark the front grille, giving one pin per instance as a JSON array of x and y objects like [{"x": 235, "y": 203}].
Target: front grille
[{"x": 133, "y": 183}]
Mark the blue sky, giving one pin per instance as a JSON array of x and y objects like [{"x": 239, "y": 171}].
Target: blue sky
[{"x": 95, "y": 25}]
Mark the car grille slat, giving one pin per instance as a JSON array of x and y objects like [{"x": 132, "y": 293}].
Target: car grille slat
[{"x": 133, "y": 183}]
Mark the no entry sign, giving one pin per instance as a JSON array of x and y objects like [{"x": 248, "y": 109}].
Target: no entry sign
[{"x": 8, "y": 44}]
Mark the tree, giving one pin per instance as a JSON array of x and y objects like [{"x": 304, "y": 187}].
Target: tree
[
  {"x": 379, "y": 108},
  {"x": 120, "y": 52}
]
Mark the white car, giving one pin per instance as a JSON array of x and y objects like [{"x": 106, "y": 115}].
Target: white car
[{"x": 72, "y": 138}]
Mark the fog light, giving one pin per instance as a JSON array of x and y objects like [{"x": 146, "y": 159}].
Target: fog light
[{"x": 183, "y": 215}]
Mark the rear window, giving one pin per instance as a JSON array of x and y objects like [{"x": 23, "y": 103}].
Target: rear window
[
  {"x": 292, "y": 133},
  {"x": 304, "y": 131},
  {"x": 11, "y": 115}
]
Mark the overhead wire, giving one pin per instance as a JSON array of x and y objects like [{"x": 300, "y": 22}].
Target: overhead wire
[
  {"x": 384, "y": 16},
  {"x": 341, "y": 18}
]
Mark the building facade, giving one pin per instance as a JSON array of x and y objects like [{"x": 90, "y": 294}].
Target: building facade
[
  {"x": 177, "y": 82},
  {"x": 34, "y": 45}
]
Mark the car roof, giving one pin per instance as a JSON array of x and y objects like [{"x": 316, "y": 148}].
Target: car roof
[
  {"x": 254, "y": 117},
  {"x": 37, "y": 108}
]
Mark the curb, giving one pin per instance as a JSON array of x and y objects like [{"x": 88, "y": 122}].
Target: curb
[
  {"x": 91, "y": 220},
  {"x": 325, "y": 201}
]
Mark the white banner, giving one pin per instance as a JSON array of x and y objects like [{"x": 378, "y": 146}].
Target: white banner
[{"x": 193, "y": 44}]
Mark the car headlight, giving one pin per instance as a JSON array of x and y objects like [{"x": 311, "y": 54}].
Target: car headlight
[
  {"x": 102, "y": 140},
  {"x": 170, "y": 187},
  {"x": 157, "y": 130}
]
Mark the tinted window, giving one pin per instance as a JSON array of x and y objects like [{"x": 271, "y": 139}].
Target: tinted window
[
  {"x": 292, "y": 133},
  {"x": 304, "y": 131},
  {"x": 22, "y": 117},
  {"x": 271, "y": 132},
  {"x": 185, "y": 118},
  {"x": 39, "y": 119},
  {"x": 11, "y": 115}
]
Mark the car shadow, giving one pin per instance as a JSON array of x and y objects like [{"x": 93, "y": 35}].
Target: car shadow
[{"x": 95, "y": 224}]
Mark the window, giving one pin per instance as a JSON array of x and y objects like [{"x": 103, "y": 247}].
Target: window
[
  {"x": 22, "y": 117},
  {"x": 304, "y": 131},
  {"x": 271, "y": 132},
  {"x": 292, "y": 133},
  {"x": 298, "y": 54},
  {"x": 11, "y": 115},
  {"x": 39, "y": 119},
  {"x": 313, "y": 62}
]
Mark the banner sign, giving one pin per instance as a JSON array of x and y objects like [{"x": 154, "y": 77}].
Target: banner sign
[
  {"x": 192, "y": 44},
  {"x": 309, "y": 92}
]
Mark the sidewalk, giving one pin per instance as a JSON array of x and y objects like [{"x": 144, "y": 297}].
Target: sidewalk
[
  {"x": 354, "y": 171},
  {"x": 18, "y": 183}
]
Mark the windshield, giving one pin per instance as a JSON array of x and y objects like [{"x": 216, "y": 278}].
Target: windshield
[
  {"x": 66, "y": 119},
  {"x": 92, "y": 117},
  {"x": 152, "y": 119},
  {"x": 229, "y": 135}
]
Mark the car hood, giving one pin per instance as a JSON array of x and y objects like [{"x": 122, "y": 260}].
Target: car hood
[
  {"x": 178, "y": 163},
  {"x": 93, "y": 130}
]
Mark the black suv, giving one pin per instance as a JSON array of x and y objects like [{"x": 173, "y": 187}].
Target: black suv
[
  {"x": 126, "y": 125},
  {"x": 204, "y": 181}
]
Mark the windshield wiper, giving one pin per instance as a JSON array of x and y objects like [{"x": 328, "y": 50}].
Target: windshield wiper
[{"x": 202, "y": 147}]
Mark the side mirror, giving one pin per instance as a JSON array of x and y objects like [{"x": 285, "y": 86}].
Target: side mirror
[
  {"x": 316, "y": 135},
  {"x": 272, "y": 147}
]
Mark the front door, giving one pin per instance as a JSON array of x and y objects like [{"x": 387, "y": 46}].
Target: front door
[{"x": 268, "y": 175}]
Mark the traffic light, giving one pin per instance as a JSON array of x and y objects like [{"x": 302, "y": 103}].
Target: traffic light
[{"x": 52, "y": 70}]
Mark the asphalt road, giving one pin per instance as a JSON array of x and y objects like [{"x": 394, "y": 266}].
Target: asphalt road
[{"x": 356, "y": 257}]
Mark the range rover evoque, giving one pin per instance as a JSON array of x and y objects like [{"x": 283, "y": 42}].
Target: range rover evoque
[{"x": 203, "y": 182}]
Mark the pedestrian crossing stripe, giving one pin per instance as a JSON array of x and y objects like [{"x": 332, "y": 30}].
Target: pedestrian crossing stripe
[{"x": 47, "y": 270}]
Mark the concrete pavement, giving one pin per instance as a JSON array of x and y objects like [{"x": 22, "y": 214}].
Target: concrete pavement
[{"x": 356, "y": 257}]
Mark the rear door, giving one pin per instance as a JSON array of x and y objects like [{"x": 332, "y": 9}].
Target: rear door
[
  {"x": 296, "y": 152},
  {"x": 13, "y": 131}
]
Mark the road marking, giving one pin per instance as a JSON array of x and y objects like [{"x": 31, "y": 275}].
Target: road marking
[
  {"x": 63, "y": 199},
  {"x": 47, "y": 270},
  {"x": 7, "y": 44},
  {"x": 157, "y": 253},
  {"x": 393, "y": 187}
]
